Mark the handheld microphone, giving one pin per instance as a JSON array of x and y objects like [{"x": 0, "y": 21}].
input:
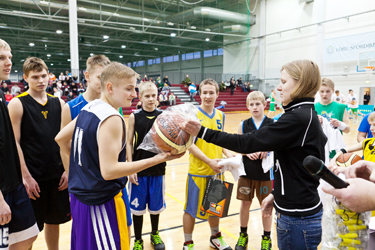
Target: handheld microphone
[{"x": 316, "y": 167}]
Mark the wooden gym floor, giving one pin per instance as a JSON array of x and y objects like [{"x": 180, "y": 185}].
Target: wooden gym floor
[{"x": 170, "y": 226}]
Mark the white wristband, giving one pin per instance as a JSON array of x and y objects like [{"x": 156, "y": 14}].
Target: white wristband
[{"x": 342, "y": 126}]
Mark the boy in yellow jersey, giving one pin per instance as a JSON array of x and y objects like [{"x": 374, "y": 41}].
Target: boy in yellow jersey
[
  {"x": 36, "y": 119},
  {"x": 203, "y": 166}
]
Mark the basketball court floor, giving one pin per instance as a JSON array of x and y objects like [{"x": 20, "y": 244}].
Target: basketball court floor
[{"x": 171, "y": 219}]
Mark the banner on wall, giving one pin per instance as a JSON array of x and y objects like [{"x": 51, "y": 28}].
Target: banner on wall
[
  {"x": 346, "y": 48},
  {"x": 365, "y": 109}
]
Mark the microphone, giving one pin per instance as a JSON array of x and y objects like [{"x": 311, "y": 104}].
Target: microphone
[{"x": 316, "y": 167}]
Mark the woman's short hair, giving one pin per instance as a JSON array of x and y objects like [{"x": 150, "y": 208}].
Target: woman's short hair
[{"x": 307, "y": 76}]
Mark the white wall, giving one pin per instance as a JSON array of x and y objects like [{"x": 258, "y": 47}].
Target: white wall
[{"x": 285, "y": 42}]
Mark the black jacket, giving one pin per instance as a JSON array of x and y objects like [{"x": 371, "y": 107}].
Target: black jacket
[{"x": 294, "y": 136}]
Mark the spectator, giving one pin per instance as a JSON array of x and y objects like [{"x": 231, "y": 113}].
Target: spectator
[
  {"x": 70, "y": 96},
  {"x": 52, "y": 77},
  {"x": 239, "y": 82},
  {"x": 232, "y": 86},
  {"x": 15, "y": 89},
  {"x": 172, "y": 99},
  {"x": 145, "y": 78},
  {"x": 227, "y": 84},
  {"x": 166, "y": 89},
  {"x": 56, "y": 93},
  {"x": 163, "y": 99},
  {"x": 61, "y": 76},
  {"x": 65, "y": 88},
  {"x": 187, "y": 81},
  {"x": 166, "y": 80},
  {"x": 366, "y": 98},
  {"x": 73, "y": 88},
  {"x": 5, "y": 88},
  {"x": 8, "y": 97},
  {"x": 159, "y": 84},
  {"x": 192, "y": 91},
  {"x": 75, "y": 78},
  {"x": 81, "y": 89},
  {"x": 139, "y": 105},
  {"x": 25, "y": 85},
  {"x": 49, "y": 88},
  {"x": 67, "y": 73},
  {"x": 222, "y": 86},
  {"x": 69, "y": 80}
]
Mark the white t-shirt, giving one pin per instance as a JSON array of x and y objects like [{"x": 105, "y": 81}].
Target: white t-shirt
[
  {"x": 338, "y": 98},
  {"x": 351, "y": 98}
]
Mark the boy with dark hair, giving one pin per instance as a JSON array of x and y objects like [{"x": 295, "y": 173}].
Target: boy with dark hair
[{"x": 36, "y": 119}]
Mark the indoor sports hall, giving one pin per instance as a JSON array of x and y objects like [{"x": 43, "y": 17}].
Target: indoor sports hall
[{"x": 240, "y": 44}]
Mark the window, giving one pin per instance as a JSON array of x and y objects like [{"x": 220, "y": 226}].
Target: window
[
  {"x": 183, "y": 57},
  {"x": 150, "y": 61},
  {"x": 197, "y": 55},
  {"x": 220, "y": 52},
  {"x": 157, "y": 61},
  {"x": 189, "y": 56},
  {"x": 140, "y": 63},
  {"x": 129, "y": 65},
  {"x": 214, "y": 52},
  {"x": 176, "y": 58},
  {"x": 207, "y": 53},
  {"x": 134, "y": 64}
]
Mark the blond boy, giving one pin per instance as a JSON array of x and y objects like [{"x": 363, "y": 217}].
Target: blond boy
[
  {"x": 146, "y": 187},
  {"x": 97, "y": 167},
  {"x": 204, "y": 166},
  {"x": 255, "y": 181}
]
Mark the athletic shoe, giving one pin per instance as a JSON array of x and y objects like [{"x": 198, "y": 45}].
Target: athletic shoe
[
  {"x": 138, "y": 245},
  {"x": 156, "y": 241},
  {"x": 217, "y": 242},
  {"x": 188, "y": 245},
  {"x": 266, "y": 243},
  {"x": 242, "y": 242}
]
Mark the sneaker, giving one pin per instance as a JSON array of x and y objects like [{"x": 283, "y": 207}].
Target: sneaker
[
  {"x": 188, "y": 245},
  {"x": 138, "y": 245},
  {"x": 266, "y": 243},
  {"x": 156, "y": 241},
  {"x": 242, "y": 242},
  {"x": 217, "y": 242}
]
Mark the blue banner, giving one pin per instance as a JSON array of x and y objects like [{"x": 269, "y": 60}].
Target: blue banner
[{"x": 365, "y": 109}]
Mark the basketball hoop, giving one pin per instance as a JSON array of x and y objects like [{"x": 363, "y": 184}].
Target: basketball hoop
[{"x": 370, "y": 69}]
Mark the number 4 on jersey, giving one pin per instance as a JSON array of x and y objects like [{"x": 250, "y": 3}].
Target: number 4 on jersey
[{"x": 135, "y": 202}]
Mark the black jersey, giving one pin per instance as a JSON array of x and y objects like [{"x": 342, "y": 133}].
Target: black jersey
[
  {"x": 143, "y": 122},
  {"x": 10, "y": 168},
  {"x": 254, "y": 169},
  {"x": 39, "y": 127}
]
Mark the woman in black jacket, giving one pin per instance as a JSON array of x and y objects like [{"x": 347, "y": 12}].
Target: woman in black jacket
[{"x": 294, "y": 136}]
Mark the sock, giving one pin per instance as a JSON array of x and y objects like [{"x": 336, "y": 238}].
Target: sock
[
  {"x": 138, "y": 224},
  {"x": 266, "y": 233},
  {"x": 244, "y": 230},
  {"x": 154, "y": 222},
  {"x": 214, "y": 230},
  {"x": 188, "y": 237}
]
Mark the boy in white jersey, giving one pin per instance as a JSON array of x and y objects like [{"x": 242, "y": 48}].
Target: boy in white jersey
[{"x": 203, "y": 166}]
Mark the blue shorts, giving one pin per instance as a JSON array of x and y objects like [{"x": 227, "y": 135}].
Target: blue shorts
[
  {"x": 125, "y": 197},
  {"x": 97, "y": 227},
  {"x": 23, "y": 224},
  {"x": 150, "y": 192}
]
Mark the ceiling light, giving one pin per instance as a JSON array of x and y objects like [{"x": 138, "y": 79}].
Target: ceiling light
[
  {"x": 43, "y": 2},
  {"x": 145, "y": 19},
  {"x": 31, "y": 44},
  {"x": 193, "y": 27},
  {"x": 81, "y": 21},
  {"x": 120, "y": 56},
  {"x": 207, "y": 39},
  {"x": 16, "y": 71},
  {"x": 131, "y": 28},
  {"x": 82, "y": 8},
  {"x": 51, "y": 64},
  {"x": 115, "y": 14},
  {"x": 156, "y": 49},
  {"x": 68, "y": 60},
  {"x": 173, "y": 34},
  {"x": 208, "y": 29},
  {"x": 59, "y": 31},
  {"x": 22, "y": 60},
  {"x": 3, "y": 24},
  {"x": 48, "y": 55},
  {"x": 91, "y": 54},
  {"x": 105, "y": 37},
  {"x": 170, "y": 23},
  {"x": 123, "y": 46}
]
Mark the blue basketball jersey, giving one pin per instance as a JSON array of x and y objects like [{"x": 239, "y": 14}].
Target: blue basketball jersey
[
  {"x": 85, "y": 179},
  {"x": 76, "y": 105}
]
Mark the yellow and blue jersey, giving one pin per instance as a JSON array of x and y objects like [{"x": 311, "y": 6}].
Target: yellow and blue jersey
[{"x": 216, "y": 122}]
